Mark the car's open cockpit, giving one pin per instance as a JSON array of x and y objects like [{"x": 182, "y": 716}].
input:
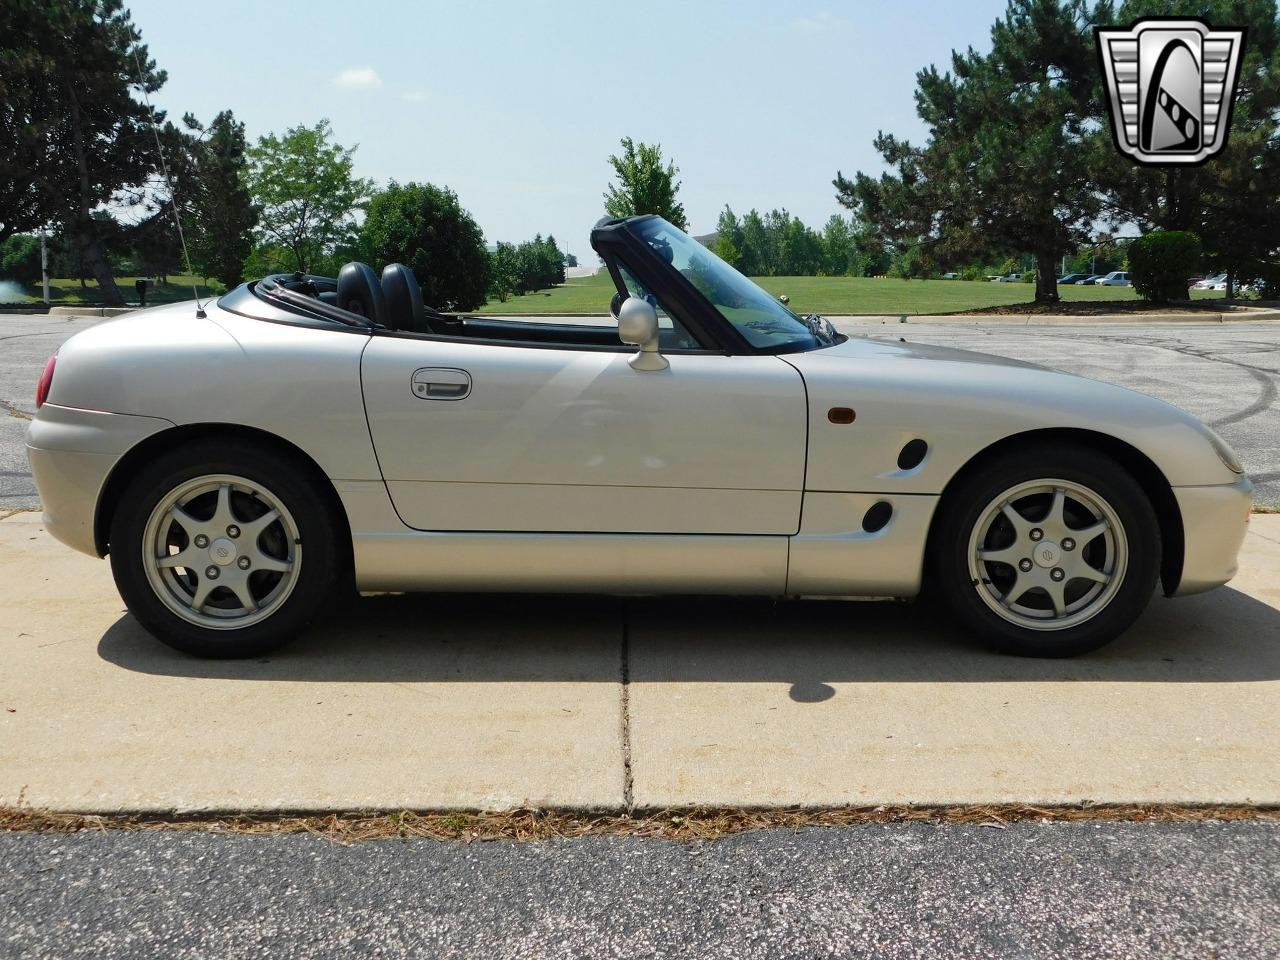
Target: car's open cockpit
[
  {"x": 393, "y": 303},
  {"x": 699, "y": 302}
]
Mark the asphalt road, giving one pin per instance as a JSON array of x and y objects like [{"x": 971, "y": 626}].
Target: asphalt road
[
  {"x": 1078, "y": 891},
  {"x": 1226, "y": 374}
]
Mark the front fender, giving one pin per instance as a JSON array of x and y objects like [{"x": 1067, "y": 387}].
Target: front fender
[{"x": 960, "y": 404}]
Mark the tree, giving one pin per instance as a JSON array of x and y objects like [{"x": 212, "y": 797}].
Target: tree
[
  {"x": 221, "y": 211},
  {"x": 1233, "y": 201},
  {"x": 425, "y": 228},
  {"x": 504, "y": 272},
  {"x": 1161, "y": 262},
  {"x": 554, "y": 261},
  {"x": 74, "y": 138},
  {"x": 306, "y": 191},
  {"x": 1005, "y": 165},
  {"x": 644, "y": 184},
  {"x": 727, "y": 250}
]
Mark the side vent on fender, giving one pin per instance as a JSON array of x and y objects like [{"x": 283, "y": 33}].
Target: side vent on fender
[
  {"x": 912, "y": 455},
  {"x": 877, "y": 516}
]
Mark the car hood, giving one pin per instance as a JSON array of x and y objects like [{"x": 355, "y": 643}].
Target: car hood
[{"x": 867, "y": 348}]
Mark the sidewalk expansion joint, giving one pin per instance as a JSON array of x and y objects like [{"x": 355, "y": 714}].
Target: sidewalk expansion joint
[{"x": 628, "y": 786}]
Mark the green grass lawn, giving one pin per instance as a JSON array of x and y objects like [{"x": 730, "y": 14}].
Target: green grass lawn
[
  {"x": 829, "y": 295},
  {"x": 66, "y": 291},
  {"x": 590, "y": 296}
]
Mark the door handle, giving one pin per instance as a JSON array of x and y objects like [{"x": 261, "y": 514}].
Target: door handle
[{"x": 440, "y": 383}]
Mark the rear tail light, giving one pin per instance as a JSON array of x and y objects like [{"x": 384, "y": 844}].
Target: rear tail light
[{"x": 46, "y": 381}]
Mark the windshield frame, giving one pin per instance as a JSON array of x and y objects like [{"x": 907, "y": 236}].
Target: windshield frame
[{"x": 679, "y": 296}]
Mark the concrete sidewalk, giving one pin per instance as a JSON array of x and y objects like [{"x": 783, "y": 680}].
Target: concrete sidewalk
[{"x": 464, "y": 702}]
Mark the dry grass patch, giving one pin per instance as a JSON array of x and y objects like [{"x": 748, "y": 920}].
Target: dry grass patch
[{"x": 685, "y": 824}]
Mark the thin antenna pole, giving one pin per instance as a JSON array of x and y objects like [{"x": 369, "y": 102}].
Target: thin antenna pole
[{"x": 173, "y": 197}]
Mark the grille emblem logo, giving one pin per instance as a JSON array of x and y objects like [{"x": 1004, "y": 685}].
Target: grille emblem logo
[{"x": 1170, "y": 85}]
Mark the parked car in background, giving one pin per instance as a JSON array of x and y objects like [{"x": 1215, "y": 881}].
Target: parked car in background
[
  {"x": 1116, "y": 278},
  {"x": 1075, "y": 277},
  {"x": 1010, "y": 278},
  {"x": 1088, "y": 280},
  {"x": 951, "y": 276},
  {"x": 1212, "y": 283}
]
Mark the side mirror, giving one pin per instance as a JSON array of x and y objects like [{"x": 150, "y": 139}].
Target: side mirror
[
  {"x": 615, "y": 305},
  {"x": 638, "y": 324}
]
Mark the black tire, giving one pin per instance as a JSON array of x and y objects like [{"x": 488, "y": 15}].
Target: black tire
[
  {"x": 290, "y": 484},
  {"x": 965, "y": 506}
]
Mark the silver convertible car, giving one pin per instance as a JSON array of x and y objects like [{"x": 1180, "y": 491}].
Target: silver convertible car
[{"x": 242, "y": 462}]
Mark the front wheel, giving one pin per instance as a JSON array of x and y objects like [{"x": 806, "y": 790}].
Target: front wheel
[
  {"x": 223, "y": 551},
  {"x": 1048, "y": 552}
]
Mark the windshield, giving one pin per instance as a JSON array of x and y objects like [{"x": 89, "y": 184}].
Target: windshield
[{"x": 761, "y": 319}]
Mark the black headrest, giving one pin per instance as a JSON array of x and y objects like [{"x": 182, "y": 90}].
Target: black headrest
[
  {"x": 360, "y": 292},
  {"x": 404, "y": 299}
]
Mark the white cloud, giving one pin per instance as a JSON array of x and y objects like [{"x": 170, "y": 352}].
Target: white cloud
[
  {"x": 819, "y": 22},
  {"x": 358, "y": 78},
  {"x": 414, "y": 96}
]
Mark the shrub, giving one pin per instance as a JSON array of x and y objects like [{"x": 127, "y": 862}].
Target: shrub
[
  {"x": 425, "y": 228},
  {"x": 20, "y": 258},
  {"x": 973, "y": 273},
  {"x": 1161, "y": 262},
  {"x": 1029, "y": 276}
]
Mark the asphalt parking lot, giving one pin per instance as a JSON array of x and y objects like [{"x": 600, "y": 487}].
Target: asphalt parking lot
[
  {"x": 898, "y": 892},
  {"x": 1228, "y": 374}
]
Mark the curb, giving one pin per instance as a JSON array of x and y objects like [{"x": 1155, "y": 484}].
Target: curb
[{"x": 88, "y": 311}]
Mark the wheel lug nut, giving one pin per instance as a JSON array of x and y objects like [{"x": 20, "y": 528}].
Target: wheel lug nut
[
  {"x": 1037, "y": 534},
  {"x": 211, "y": 573},
  {"x": 1056, "y": 573},
  {"x": 201, "y": 541},
  {"x": 1024, "y": 565},
  {"x": 243, "y": 563},
  {"x": 233, "y": 531},
  {"x": 1068, "y": 544}
]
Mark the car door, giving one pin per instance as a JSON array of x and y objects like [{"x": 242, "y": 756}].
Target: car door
[{"x": 483, "y": 436}]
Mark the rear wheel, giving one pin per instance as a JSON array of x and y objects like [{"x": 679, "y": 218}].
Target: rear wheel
[
  {"x": 223, "y": 554},
  {"x": 1050, "y": 552}
]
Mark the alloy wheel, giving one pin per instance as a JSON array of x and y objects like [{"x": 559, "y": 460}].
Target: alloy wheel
[
  {"x": 1047, "y": 554},
  {"x": 221, "y": 551}
]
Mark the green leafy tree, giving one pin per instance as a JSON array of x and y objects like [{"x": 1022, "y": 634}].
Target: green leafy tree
[
  {"x": 727, "y": 250},
  {"x": 645, "y": 184},
  {"x": 1005, "y": 165},
  {"x": 72, "y": 136},
  {"x": 504, "y": 272},
  {"x": 306, "y": 192},
  {"x": 425, "y": 228}
]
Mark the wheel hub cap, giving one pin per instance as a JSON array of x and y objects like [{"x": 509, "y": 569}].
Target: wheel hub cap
[
  {"x": 1047, "y": 553},
  {"x": 223, "y": 552}
]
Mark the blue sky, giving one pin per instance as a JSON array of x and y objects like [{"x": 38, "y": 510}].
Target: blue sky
[{"x": 517, "y": 105}]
